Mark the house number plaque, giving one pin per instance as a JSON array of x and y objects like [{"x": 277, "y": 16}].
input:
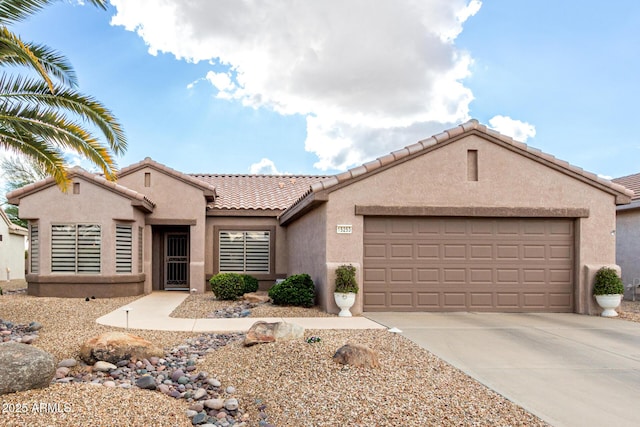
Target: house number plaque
[{"x": 344, "y": 229}]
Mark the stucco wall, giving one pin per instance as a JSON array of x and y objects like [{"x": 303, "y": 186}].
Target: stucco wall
[
  {"x": 11, "y": 254},
  {"x": 306, "y": 239},
  {"x": 505, "y": 179},
  {"x": 93, "y": 205},
  {"x": 628, "y": 247},
  {"x": 177, "y": 203}
]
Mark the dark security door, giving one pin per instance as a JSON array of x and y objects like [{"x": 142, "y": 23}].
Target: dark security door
[{"x": 176, "y": 261}]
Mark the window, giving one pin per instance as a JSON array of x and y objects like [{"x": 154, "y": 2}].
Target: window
[
  {"x": 140, "y": 240},
  {"x": 124, "y": 248},
  {"x": 244, "y": 251},
  {"x": 75, "y": 248},
  {"x": 34, "y": 249}
]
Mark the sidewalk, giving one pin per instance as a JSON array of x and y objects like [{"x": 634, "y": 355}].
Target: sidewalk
[{"x": 152, "y": 312}]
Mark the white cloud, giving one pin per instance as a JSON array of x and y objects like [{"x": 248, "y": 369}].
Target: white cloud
[
  {"x": 264, "y": 166},
  {"x": 366, "y": 77},
  {"x": 516, "y": 129}
]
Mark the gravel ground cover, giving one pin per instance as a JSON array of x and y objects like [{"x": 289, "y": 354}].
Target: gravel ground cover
[
  {"x": 291, "y": 383},
  {"x": 202, "y": 306}
]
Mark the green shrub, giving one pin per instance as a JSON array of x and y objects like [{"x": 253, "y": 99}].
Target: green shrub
[
  {"x": 0, "y": 290},
  {"x": 227, "y": 286},
  {"x": 607, "y": 282},
  {"x": 296, "y": 290},
  {"x": 250, "y": 283},
  {"x": 346, "y": 279}
]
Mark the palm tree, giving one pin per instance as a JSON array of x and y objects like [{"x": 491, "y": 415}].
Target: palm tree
[{"x": 42, "y": 115}]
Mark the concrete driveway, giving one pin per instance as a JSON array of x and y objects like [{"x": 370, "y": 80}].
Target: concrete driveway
[{"x": 568, "y": 369}]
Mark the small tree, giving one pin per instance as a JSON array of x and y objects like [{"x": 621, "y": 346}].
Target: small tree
[
  {"x": 607, "y": 282},
  {"x": 346, "y": 279}
]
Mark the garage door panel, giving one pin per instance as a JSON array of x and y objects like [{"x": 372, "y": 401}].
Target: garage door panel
[
  {"x": 399, "y": 275},
  {"x": 455, "y": 300},
  {"x": 455, "y": 251},
  {"x": 428, "y": 251},
  {"x": 401, "y": 251},
  {"x": 533, "y": 252},
  {"x": 372, "y": 251},
  {"x": 428, "y": 275},
  {"x": 453, "y": 264},
  {"x": 428, "y": 300},
  {"x": 375, "y": 275},
  {"x": 481, "y": 276},
  {"x": 480, "y": 300},
  {"x": 402, "y": 300}
]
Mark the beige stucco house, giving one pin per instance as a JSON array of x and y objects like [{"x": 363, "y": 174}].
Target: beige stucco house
[
  {"x": 12, "y": 247},
  {"x": 467, "y": 220},
  {"x": 628, "y": 236}
]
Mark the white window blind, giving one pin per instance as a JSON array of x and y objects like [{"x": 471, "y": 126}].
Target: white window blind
[
  {"x": 34, "y": 249},
  {"x": 140, "y": 240},
  {"x": 124, "y": 248},
  {"x": 244, "y": 251},
  {"x": 75, "y": 248}
]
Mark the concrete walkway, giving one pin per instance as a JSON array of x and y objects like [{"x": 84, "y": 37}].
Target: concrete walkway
[
  {"x": 152, "y": 312},
  {"x": 568, "y": 369}
]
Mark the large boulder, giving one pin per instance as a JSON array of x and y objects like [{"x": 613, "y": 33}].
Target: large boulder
[
  {"x": 24, "y": 367},
  {"x": 263, "y": 332},
  {"x": 356, "y": 355},
  {"x": 113, "y": 347}
]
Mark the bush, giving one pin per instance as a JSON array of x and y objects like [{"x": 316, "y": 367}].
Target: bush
[
  {"x": 346, "y": 279},
  {"x": 607, "y": 282},
  {"x": 250, "y": 283},
  {"x": 227, "y": 286},
  {"x": 296, "y": 290}
]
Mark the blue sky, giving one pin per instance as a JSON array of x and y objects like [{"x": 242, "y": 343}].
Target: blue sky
[{"x": 317, "y": 87}]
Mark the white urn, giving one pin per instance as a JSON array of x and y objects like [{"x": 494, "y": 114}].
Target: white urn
[
  {"x": 345, "y": 301},
  {"x": 609, "y": 303}
]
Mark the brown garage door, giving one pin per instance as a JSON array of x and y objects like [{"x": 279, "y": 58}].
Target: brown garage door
[{"x": 468, "y": 264}]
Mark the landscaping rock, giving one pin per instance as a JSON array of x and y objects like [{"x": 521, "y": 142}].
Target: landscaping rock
[
  {"x": 23, "y": 367},
  {"x": 102, "y": 366},
  {"x": 116, "y": 346},
  {"x": 146, "y": 382},
  {"x": 257, "y": 297},
  {"x": 263, "y": 332},
  {"x": 67, "y": 363},
  {"x": 356, "y": 355}
]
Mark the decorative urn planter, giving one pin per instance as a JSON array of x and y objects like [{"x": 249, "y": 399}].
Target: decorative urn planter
[
  {"x": 609, "y": 303},
  {"x": 345, "y": 301}
]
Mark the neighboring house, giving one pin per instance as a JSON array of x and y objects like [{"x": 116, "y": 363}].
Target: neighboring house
[
  {"x": 12, "y": 247},
  {"x": 628, "y": 235},
  {"x": 467, "y": 220}
]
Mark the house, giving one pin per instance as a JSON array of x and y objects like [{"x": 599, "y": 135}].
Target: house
[
  {"x": 12, "y": 240},
  {"x": 628, "y": 236},
  {"x": 467, "y": 220}
]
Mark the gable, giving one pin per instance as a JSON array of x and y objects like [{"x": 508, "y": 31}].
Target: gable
[
  {"x": 437, "y": 163},
  {"x": 91, "y": 192}
]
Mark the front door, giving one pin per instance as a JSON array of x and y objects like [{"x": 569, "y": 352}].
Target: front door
[{"x": 176, "y": 261}]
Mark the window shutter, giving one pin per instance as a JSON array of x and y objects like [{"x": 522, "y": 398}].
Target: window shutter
[
  {"x": 124, "y": 248},
  {"x": 257, "y": 251},
  {"x": 63, "y": 248},
  {"x": 140, "y": 253},
  {"x": 89, "y": 243},
  {"x": 244, "y": 251},
  {"x": 34, "y": 249}
]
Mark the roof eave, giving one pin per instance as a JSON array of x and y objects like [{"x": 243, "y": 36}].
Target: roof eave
[{"x": 308, "y": 203}]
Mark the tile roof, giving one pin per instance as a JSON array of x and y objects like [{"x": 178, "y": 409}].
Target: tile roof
[
  {"x": 210, "y": 190},
  {"x": 138, "y": 199},
  {"x": 13, "y": 228},
  {"x": 632, "y": 182},
  {"x": 261, "y": 192},
  {"x": 442, "y": 139}
]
